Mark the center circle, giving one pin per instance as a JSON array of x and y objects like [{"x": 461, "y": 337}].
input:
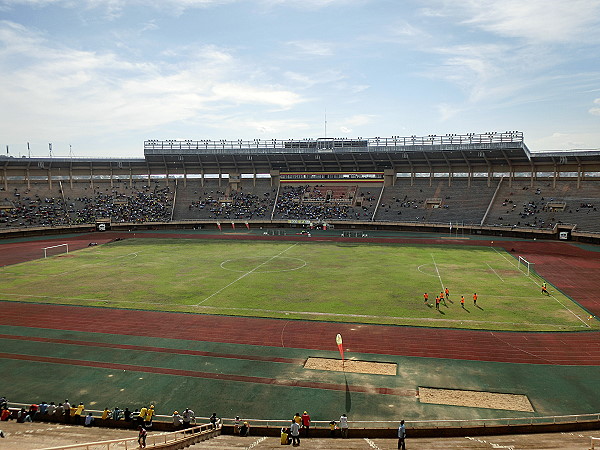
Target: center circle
[{"x": 266, "y": 264}]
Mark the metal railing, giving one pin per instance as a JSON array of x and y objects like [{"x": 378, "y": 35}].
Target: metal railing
[
  {"x": 152, "y": 440},
  {"x": 334, "y": 144},
  {"x": 434, "y": 423}
]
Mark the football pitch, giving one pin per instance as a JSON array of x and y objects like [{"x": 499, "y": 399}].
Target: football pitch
[{"x": 349, "y": 282}]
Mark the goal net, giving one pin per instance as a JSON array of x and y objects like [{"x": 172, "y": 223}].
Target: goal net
[
  {"x": 525, "y": 266},
  {"x": 54, "y": 250}
]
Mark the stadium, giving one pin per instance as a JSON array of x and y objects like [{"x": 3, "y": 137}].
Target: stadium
[{"x": 216, "y": 275}]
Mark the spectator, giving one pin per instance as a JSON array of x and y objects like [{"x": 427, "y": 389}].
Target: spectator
[
  {"x": 127, "y": 415},
  {"x": 401, "y": 436},
  {"x": 305, "y": 423},
  {"x": 344, "y": 425},
  {"x": 236, "y": 425},
  {"x": 51, "y": 409},
  {"x": 89, "y": 420},
  {"x": 245, "y": 429},
  {"x": 149, "y": 417},
  {"x": 105, "y": 413},
  {"x": 177, "y": 419},
  {"x": 213, "y": 420},
  {"x": 79, "y": 412},
  {"x": 116, "y": 414},
  {"x": 188, "y": 418},
  {"x": 142, "y": 433},
  {"x": 295, "y": 432}
]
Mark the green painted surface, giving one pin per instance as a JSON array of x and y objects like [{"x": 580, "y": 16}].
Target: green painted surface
[{"x": 552, "y": 390}]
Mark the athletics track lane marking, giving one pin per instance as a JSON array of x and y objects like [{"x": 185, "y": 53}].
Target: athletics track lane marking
[
  {"x": 246, "y": 274},
  {"x": 308, "y": 313},
  {"x": 550, "y": 295}
]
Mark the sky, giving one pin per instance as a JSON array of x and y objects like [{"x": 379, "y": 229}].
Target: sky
[{"x": 95, "y": 78}]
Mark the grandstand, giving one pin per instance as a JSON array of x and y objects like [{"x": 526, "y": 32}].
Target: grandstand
[{"x": 486, "y": 183}]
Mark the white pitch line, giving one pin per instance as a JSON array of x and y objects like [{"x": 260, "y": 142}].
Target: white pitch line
[
  {"x": 495, "y": 272},
  {"x": 246, "y": 274},
  {"x": 438, "y": 272},
  {"x": 555, "y": 299}
]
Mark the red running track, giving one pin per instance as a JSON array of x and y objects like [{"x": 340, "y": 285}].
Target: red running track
[{"x": 565, "y": 348}]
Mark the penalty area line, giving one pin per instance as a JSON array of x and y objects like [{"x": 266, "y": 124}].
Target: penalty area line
[{"x": 550, "y": 295}]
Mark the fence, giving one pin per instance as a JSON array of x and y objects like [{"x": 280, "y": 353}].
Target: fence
[{"x": 152, "y": 440}]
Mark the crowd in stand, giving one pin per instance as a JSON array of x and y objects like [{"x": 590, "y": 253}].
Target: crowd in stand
[
  {"x": 532, "y": 213},
  {"x": 306, "y": 202},
  {"x": 26, "y": 210},
  {"x": 236, "y": 205},
  {"x": 146, "y": 204}
]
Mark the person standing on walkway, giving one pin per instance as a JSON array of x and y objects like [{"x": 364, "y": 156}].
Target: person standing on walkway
[
  {"x": 401, "y": 436},
  {"x": 306, "y": 423},
  {"x": 295, "y": 432},
  {"x": 142, "y": 433},
  {"x": 344, "y": 425}
]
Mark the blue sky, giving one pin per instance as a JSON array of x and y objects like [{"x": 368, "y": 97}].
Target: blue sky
[{"x": 98, "y": 77}]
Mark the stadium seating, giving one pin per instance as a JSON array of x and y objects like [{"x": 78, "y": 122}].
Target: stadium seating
[{"x": 543, "y": 206}]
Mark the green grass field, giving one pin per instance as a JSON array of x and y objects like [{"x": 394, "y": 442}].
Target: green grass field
[{"x": 309, "y": 280}]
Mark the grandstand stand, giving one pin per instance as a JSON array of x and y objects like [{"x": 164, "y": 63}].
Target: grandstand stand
[
  {"x": 543, "y": 206},
  {"x": 326, "y": 202},
  {"x": 435, "y": 201},
  {"x": 251, "y": 200}
]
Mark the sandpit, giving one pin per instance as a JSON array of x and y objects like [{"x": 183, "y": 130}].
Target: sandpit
[
  {"x": 350, "y": 365},
  {"x": 475, "y": 399}
]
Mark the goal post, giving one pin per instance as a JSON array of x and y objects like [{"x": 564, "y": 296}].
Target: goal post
[
  {"x": 55, "y": 250},
  {"x": 525, "y": 266}
]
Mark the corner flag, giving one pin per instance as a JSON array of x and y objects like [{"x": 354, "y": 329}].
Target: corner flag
[{"x": 338, "y": 340}]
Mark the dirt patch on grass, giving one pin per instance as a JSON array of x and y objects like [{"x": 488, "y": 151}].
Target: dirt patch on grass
[
  {"x": 475, "y": 399},
  {"x": 370, "y": 367}
]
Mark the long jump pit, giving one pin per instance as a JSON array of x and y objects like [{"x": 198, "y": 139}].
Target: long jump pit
[
  {"x": 351, "y": 365},
  {"x": 475, "y": 399}
]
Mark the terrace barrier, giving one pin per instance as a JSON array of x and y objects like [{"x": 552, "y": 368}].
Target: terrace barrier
[{"x": 171, "y": 441}]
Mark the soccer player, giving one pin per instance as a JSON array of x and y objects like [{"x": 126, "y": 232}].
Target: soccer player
[
  {"x": 443, "y": 298},
  {"x": 462, "y": 301},
  {"x": 437, "y": 303},
  {"x": 447, "y": 292},
  {"x": 426, "y": 297},
  {"x": 544, "y": 289},
  {"x": 475, "y": 299}
]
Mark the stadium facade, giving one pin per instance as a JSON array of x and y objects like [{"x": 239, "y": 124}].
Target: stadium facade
[{"x": 488, "y": 158}]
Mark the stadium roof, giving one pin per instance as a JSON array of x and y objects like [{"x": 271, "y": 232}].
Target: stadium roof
[{"x": 487, "y": 152}]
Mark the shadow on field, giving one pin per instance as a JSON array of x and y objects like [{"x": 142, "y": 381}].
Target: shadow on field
[{"x": 348, "y": 396}]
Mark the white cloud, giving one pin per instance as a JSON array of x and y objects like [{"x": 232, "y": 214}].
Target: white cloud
[
  {"x": 312, "y": 48},
  {"x": 447, "y": 111},
  {"x": 560, "y": 140},
  {"x": 533, "y": 20},
  {"x": 595, "y": 111},
  {"x": 48, "y": 90},
  {"x": 243, "y": 93}
]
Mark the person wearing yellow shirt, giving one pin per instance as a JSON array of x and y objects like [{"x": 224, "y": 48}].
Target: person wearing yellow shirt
[
  {"x": 79, "y": 412},
  {"x": 105, "y": 414},
  {"x": 142, "y": 416},
  {"x": 149, "y": 415}
]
